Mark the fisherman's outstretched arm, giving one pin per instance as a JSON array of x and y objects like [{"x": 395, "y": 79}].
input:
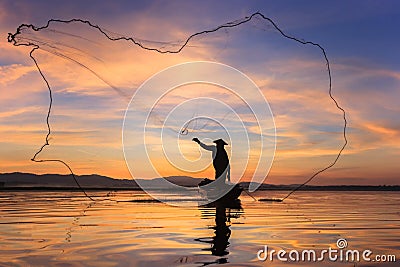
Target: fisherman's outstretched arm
[{"x": 206, "y": 147}]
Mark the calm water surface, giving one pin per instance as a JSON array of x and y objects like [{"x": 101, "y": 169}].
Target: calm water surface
[{"x": 65, "y": 229}]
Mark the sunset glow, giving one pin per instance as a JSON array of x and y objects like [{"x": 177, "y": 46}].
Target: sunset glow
[{"x": 88, "y": 113}]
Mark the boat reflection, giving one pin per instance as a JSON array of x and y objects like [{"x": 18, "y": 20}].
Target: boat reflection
[{"x": 219, "y": 243}]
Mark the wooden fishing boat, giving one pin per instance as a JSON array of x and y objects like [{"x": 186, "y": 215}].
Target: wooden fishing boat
[{"x": 220, "y": 192}]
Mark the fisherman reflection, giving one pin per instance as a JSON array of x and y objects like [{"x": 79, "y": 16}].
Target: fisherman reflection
[{"x": 222, "y": 232}]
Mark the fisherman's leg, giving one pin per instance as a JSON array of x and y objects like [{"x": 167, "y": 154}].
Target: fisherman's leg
[
  {"x": 218, "y": 174},
  {"x": 224, "y": 176},
  {"x": 219, "y": 178}
]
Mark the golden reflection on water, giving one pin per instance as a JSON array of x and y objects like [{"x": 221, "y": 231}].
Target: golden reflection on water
[{"x": 65, "y": 229}]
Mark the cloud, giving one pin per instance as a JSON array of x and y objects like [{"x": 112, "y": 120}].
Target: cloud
[
  {"x": 18, "y": 112},
  {"x": 13, "y": 72}
]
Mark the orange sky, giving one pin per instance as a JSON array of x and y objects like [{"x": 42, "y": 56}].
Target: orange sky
[{"x": 87, "y": 113}]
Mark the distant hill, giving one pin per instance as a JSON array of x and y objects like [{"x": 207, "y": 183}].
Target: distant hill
[
  {"x": 58, "y": 181},
  {"x": 29, "y": 180},
  {"x": 17, "y": 179}
]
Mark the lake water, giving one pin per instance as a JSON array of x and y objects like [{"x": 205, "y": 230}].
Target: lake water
[{"x": 66, "y": 229}]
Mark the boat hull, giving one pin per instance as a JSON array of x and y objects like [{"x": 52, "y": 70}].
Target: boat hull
[{"x": 217, "y": 193}]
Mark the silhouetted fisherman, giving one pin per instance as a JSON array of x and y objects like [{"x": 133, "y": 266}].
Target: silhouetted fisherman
[{"x": 220, "y": 159}]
